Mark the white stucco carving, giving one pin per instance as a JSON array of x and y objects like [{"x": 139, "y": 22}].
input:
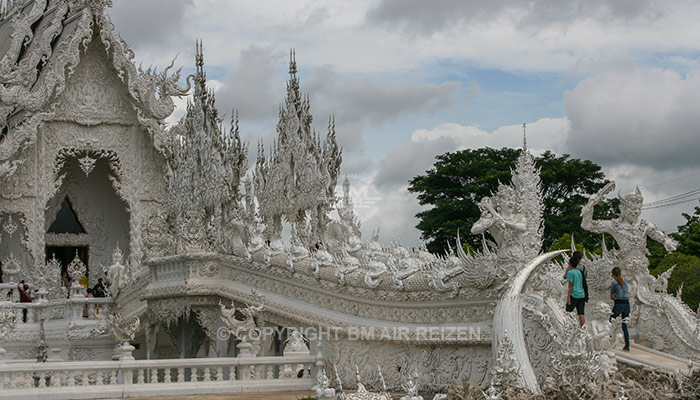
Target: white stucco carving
[
  {"x": 166, "y": 221},
  {"x": 243, "y": 329},
  {"x": 629, "y": 232}
]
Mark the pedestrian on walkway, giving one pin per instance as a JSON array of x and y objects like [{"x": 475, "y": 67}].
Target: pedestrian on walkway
[
  {"x": 618, "y": 292},
  {"x": 23, "y": 289},
  {"x": 576, "y": 297}
]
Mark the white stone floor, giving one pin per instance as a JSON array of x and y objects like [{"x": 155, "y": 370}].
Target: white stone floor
[
  {"x": 237, "y": 396},
  {"x": 248, "y": 396},
  {"x": 644, "y": 356}
]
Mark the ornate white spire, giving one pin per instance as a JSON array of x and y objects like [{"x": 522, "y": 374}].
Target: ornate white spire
[
  {"x": 206, "y": 167},
  {"x": 300, "y": 175}
]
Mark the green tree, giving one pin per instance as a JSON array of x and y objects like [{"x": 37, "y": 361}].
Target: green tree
[
  {"x": 564, "y": 243},
  {"x": 454, "y": 188},
  {"x": 686, "y": 273},
  {"x": 459, "y": 180},
  {"x": 656, "y": 254},
  {"x": 567, "y": 183},
  {"x": 688, "y": 235}
]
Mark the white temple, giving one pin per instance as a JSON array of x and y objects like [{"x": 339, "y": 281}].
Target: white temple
[{"x": 205, "y": 292}]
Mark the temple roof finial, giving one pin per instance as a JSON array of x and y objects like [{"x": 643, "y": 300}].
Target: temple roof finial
[
  {"x": 199, "y": 56},
  {"x": 524, "y": 138},
  {"x": 292, "y": 62}
]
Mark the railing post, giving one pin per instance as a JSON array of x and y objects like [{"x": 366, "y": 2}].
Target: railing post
[
  {"x": 127, "y": 373},
  {"x": 55, "y": 355},
  {"x": 2, "y": 364},
  {"x": 244, "y": 350},
  {"x": 320, "y": 365}
]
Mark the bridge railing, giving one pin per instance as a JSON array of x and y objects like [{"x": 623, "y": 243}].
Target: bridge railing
[
  {"x": 129, "y": 378},
  {"x": 80, "y": 308}
]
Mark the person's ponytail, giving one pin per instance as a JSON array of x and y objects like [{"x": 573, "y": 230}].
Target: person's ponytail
[{"x": 617, "y": 274}]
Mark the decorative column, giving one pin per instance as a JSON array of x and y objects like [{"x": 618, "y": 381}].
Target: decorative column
[
  {"x": 244, "y": 330},
  {"x": 76, "y": 270},
  {"x": 124, "y": 331},
  {"x": 8, "y": 322}
]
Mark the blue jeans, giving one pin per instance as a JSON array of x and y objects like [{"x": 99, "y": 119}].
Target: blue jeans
[{"x": 624, "y": 310}]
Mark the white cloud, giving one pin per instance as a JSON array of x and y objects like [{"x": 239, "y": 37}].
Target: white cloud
[
  {"x": 250, "y": 87},
  {"x": 153, "y": 28},
  {"x": 395, "y": 216},
  {"x": 658, "y": 185},
  {"x": 643, "y": 117},
  {"x": 415, "y": 156},
  {"x": 356, "y": 64},
  {"x": 425, "y": 18}
]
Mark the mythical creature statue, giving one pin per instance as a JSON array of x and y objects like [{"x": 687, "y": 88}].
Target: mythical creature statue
[
  {"x": 345, "y": 265},
  {"x": 660, "y": 283},
  {"x": 243, "y": 329},
  {"x": 629, "y": 232},
  {"x": 402, "y": 264},
  {"x": 124, "y": 329},
  {"x": 602, "y": 330},
  {"x": 296, "y": 343},
  {"x": 513, "y": 217},
  {"x": 345, "y": 234},
  {"x": 320, "y": 258},
  {"x": 411, "y": 388},
  {"x": 375, "y": 269},
  {"x": 322, "y": 389},
  {"x": 164, "y": 87},
  {"x": 479, "y": 269},
  {"x": 502, "y": 218},
  {"x": 297, "y": 251},
  {"x": 444, "y": 272}
]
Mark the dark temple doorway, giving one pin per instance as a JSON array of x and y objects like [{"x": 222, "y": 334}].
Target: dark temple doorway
[{"x": 66, "y": 254}]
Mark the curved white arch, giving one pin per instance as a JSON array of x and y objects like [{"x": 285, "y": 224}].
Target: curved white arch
[{"x": 508, "y": 318}]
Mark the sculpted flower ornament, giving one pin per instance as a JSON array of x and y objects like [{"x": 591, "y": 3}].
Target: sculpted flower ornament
[{"x": 76, "y": 269}]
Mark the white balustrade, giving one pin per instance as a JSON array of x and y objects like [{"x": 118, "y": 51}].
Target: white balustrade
[
  {"x": 63, "y": 309},
  {"x": 129, "y": 378}
]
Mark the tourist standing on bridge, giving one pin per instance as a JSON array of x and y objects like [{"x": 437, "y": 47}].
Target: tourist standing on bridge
[
  {"x": 618, "y": 292},
  {"x": 576, "y": 298},
  {"x": 23, "y": 289}
]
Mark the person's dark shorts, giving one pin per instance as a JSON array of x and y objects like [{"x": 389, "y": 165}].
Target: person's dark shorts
[
  {"x": 621, "y": 309},
  {"x": 579, "y": 305}
]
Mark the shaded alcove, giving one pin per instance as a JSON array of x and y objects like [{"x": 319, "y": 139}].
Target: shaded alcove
[
  {"x": 66, "y": 220},
  {"x": 87, "y": 216}
]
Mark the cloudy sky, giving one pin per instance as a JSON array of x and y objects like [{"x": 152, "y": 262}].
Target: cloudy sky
[{"x": 616, "y": 82}]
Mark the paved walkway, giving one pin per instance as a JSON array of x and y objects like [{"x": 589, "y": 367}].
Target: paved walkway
[
  {"x": 237, "y": 396},
  {"x": 645, "y": 356}
]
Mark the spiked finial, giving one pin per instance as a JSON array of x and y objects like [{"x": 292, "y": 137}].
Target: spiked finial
[
  {"x": 199, "y": 56},
  {"x": 292, "y": 62}
]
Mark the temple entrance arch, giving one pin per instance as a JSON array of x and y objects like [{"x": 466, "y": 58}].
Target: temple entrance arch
[{"x": 86, "y": 215}]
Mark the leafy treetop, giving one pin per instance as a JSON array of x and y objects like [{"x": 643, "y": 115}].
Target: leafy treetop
[{"x": 459, "y": 180}]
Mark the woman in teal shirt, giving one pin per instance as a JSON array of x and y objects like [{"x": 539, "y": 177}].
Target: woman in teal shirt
[{"x": 576, "y": 298}]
